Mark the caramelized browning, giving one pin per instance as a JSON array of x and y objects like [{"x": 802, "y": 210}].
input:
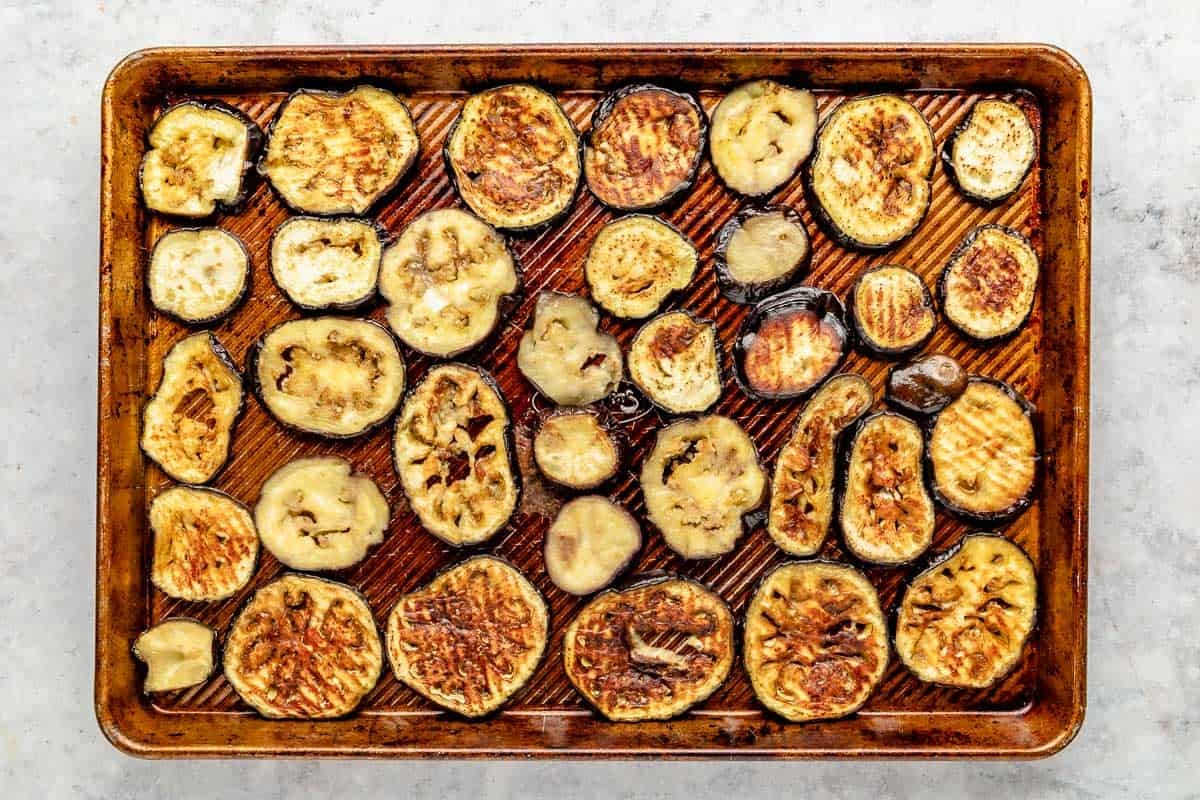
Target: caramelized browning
[
  {"x": 989, "y": 285},
  {"x": 892, "y": 310},
  {"x": 673, "y": 360},
  {"x": 635, "y": 263},
  {"x": 791, "y": 352},
  {"x": 205, "y": 544}
]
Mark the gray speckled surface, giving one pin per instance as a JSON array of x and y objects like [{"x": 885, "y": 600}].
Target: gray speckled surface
[{"x": 1141, "y": 737}]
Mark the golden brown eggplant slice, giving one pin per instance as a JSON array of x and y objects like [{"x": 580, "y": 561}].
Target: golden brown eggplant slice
[
  {"x": 178, "y": 653},
  {"x": 576, "y": 449},
  {"x": 760, "y": 251},
  {"x": 565, "y": 355},
  {"x": 988, "y": 287},
  {"x": 989, "y": 154},
  {"x": 892, "y": 311},
  {"x": 762, "y": 131},
  {"x": 205, "y": 543},
  {"x": 198, "y": 275},
  {"x": 675, "y": 361},
  {"x": 327, "y": 263},
  {"x": 590, "y": 541},
  {"x": 790, "y": 343},
  {"x": 636, "y": 262},
  {"x": 927, "y": 385}
]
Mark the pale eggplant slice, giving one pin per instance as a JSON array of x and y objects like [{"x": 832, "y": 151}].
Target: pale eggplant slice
[
  {"x": 574, "y": 448},
  {"x": 178, "y": 654},
  {"x": 565, "y": 355},
  {"x": 448, "y": 280},
  {"x": 205, "y": 544},
  {"x": 650, "y": 651},
  {"x": 590, "y": 541},
  {"x": 927, "y": 385},
  {"x": 816, "y": 641},
  {"x": 892, "y": 311},
  {"x": 702, "y": 476},
  {"x": 188, "y": 423},
  {"x": 674, "y": 360},
  {"x": 760, "y": 250},
  {"x": 988, "y": 287},
  {"x": 762, "y": 131},
  {"x": 991, "y": 151},
  {"x": 303, "y": 647},
  {"x": 197, "y": 275},
  {"x": 965, "y": 620},
  {"x": 471, "y": 638},
  {"x": 327, "y": 263},
  {"x": 636, "y": 262},
  {"x": 790, "y": 343}
]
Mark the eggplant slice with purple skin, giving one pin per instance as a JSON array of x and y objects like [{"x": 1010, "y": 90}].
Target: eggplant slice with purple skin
[
  {"x": 988, "y": 287},
  {"x": 636, "y": 262},
  {"x": 926, "y": 385},
  {"x": 323, "y": 264},
  {"x": 675, "y": 361},
  {"x": 590, "y": 541},
  {"x": 762, "y": 131},
  {"x": 205, "y": 544},
  {"x": 790, "y": 343},
  {"x": 991, "y": 151},
  {"x": 178, "y": 653},
  {"x": 565, "y": 355},
  {"x": 575, "y": 448},
  {"x": 197, "y": 275},
  {"x": 892, "y": 311},
  {"x": 759, "y": 251}
]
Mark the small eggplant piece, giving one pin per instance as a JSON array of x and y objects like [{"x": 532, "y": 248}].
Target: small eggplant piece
[
  {"x": 892, "y": 311},
  {"x": 674, "y": 360},
  {"x": 762, "y": 131},
  {"x": 565, "y": 355},
  {"x": 575, "y": 449},
  {"x": 325, "y": 264},
  {"x": 988, "y": 287},
  {"x": 197, "y": 275},
  {"x": 991, "y": 151},
  {"x": 205, "y": 544},
  {"x": 790, "y": 343},
  {"x": 590, "y": 541},
  {"x": 178, "y": 653},
  {"x": 927, "y": 385},
  {"x": 636, "y": 262},
  {"x": 760, "y": 251}
]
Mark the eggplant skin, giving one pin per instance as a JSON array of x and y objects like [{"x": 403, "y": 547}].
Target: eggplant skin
[
  {"x": 198, "y": 275},
  {"x": 988, "y": 287},
  {"x": 773, "y": 239},
  {"x": 178, "y": 653},
  {"x": 205, "y": 544},
  {"x": 988, "y": 156},
  {"x": 591, "y": 540},
  {"x": 761, "y": 132},
  {"x": 575, "y": 448},
  {"x": 790, "y": 343},
  {"x": 891, "y": 310},
  {"x": 636, "y": 263},
  {"x": 927, "y": 385},
  {"x": 675, "y": 361},
  {"x": 324, "y": 264}
]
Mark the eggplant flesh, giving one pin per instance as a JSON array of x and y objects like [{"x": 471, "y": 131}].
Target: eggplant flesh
[
  {"x": 991, "y": 151},
  {"x": 565, "y": 355},
  {"x": 573, "y": 448},
  {"x": 892, "y": 311},
  {"x": 636, "y": 263},
  {"x": 197, "y": 275},
  {"x": 988, "y": 287},
  {"x": 762, "y": 131},
  {"x": 590, "y": 541},
  {"x": 178, "y": 654},
  {"x": 927, "y": 385},
  {"x": 790, "y": 343},
  {"x": 760, "y": 251},
  {"x": 674, "y": 361},
  {"x": 205, "y": 544},
  {"x": 326, "y": 263}
]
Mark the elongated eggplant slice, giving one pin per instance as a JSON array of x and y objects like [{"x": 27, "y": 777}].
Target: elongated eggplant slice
[
  {"x": 636, "y": 262},
  {"x": 674, "y": 361},
  {"x": 327, "y": 263},
  {"x": 991, "y": 151},
  {"x": 964, "y": 621},
  {"x": 197, "y": 275},
  {"x": 315, "y": 514},
  {"x": 802, "y": 489},
  {"x": 513, "y": 154},
  {"x": 205, "y": 544},
  {"x": 700, "y": 479},
  {"x": 454, "y": 454},
  {"x": 760, "y": 251},
  {"x": 187, "y": 425},
  {"x": 470, "y": 639},
  {"x": 790, "y": 343},
  {"x": 983, "y": 452},
  {"x": 927, "y": 385},
  {"x": 331, "y": 376},
  {"x": 892, "y": 311},
  {"x": 447, "y": 280},
  {"x": 644, "y": 147},
  {"x": 762, "y": 131},
  {"x": 590, "y": 541},
  {"x": 198, "y": 159},
  {"x": 565, "y": 355},
  {"x": 574, "y": 448},
  {"x": 816, "y": 641},
  {"x": 178, "y": 653},
  {"x": 303, "y": 647},
  {"x": 870, "y": 175},
  {"x": 987, "y": 288},
  {"x": 339, "y": 152},
  {"x": 650, "y": 651}
]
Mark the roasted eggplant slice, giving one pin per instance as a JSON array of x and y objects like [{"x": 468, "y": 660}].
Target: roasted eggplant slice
[
  {"x": 636, "y": 262},
  {"x": 870, "y": 175},
  {"x": 197, "y": 275},
  {"x": 327, "y": 263},
  {"x": 964, "y": 621},
  {"x": 762, "y": 132},
  {"x": 331, "y": 376},
  {"x": 315, "y": 514},
  {"x": 816, "y": 641},
  {"x": 590, "y": 541},
  {"x": 565, "y": 355},
  {"x": 802, "y": 489},
  {"x": 892, "y": 311},
  {"x": 205, "y": 544},
  {"x": 790, "y": 343},
  {"x": 454, "y": 454},
  {"x": 674, "y": 361},
  {"x": 303, "y": 647},
  {"x": 470, "y": 639},
  {"x": 575, "y": 448},
  {"x": 987, "y": 288},
  {"x": 983, "y": 452},
  {"x": 513, "y": 155},
  {"x": 187, "y": 425},
  {"x": 447, "y": 280},
  {"x": 927, "y": 385},
  {"x": 989, "y": 154},
  {"x": 178, "y": 653},
  {"x": 339, "y": 152},
  {"x": 644, "y": 147},
  {"x": 760, "y": 251},
  {"x": 700, "y": 479}
]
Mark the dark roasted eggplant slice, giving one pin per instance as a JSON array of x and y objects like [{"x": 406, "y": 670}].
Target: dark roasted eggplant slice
[
  {"x": 790, "y": 343},
  {"x": 892, "y": 311},
  {"x": 760, "y": 251},
  {"x": 964, "y": 621},
  {"x": 178, "y": 653},
  {"x": 674, "y": 361},
  {"x": 205, "y": 544},
  {"x": 816, "y": 641},
  {"x": 565, "y": 355},
  {"x": 575, "y": 448},
  {"x": 471, "y": 638},
  {"x": 650, "y": 651},
  {"x": 927, "y": 385},
  {"x": 636, "y": 262},
  {"x": 761, "y": 132},
  {"x": 590, "y": 541},
  {"x": 991, "y": 151},
  {"x": 327, "y": 263},
  {"x": 987, "y": 288},
  {"x": 197, "y": 275}
]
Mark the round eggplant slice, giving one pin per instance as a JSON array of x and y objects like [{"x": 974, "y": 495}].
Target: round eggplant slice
[
  {"x": 927, "y": 385},
  {"x": 575, "y": 449},
  {"x": 197, "y": 275},
  {"x": 470, "y": 639},
  {"x": 870, "y": 175},
  {"x": 651, "y": 651},
  {"x": 205, "y": 544},
  {"x": 886, "y": 515},
  {"x": 701, "y": 477},
  {"x": 892, "y": 311},
  {"x": 989, "y": 154},
  {"x": 816, "y": 641},
  {"x": 565, "y": 355},
  {"x": 760, "y": 251},
  {"x": 790, "y": 343},
  {"x": 802, "y": 489},
  {"x": 636, "y": 262},
  {"x": 674, "y": 361},
  {"x": 590, "y": 541},
  {"x": 762, "y": 132},
  {"x": 513, "y": 155},
  {"x": 644, "y": 147},
  {"x": 339, "y": 152},
  {"x": 983, "y": 452},
  {"x": 187, "y": 425},
  {"x": 454, "y": 454},
  {"x": 446, "y": 281},
  {"x": 330, "y": 376},
  {"x": 987, "y": 288},
  {"x": 964, "y": 621},
  {"x": 303, "y": 647},
  {"x": 315, "y": 514},
  {"x": 178, "y": 654},
  {"x": 326, "y": 263}
]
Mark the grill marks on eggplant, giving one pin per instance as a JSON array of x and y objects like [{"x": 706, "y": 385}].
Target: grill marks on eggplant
[
  {"x": 988, "y": 287},
  {"x": 575, "y": 449},
  {"x": 790, "y": 342},
  {"x": 590, "y": 541},
  {"x": 326, "y": 263},
  {"x": 761, "y": 132},
  {"x": 759, "y": 251},
  {"x": 991, "y": 151},
  {"x": 198, "y": 275},
  {"x": 892, "y": 310},
  {"x": 674, "y": 361},
  {"x": 565, "y": 355},
  {"x": 178, "y": 653},
  {"x": 636, "y": 262},
  {"x": 205, "y": 544}
]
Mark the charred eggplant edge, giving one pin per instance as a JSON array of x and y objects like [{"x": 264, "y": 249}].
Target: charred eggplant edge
[
  {"x": 959, "y": 252},
  {"x": 947, "y": 157},
  {"x": 219, "y": 493},
  {"x": 606, "y": 420},
  {"x": 870, "y": 345},
  {"x": 143, "y": 667},
  {"x": 722, "y": 356},
  {"x": 745, "y": 293},
  {"x": 233, "y": 304},
  {"x": 384, "y": 236}
]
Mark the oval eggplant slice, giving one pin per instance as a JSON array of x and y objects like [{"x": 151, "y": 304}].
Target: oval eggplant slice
[
  {"x": 927, "y": 385},
  {"x": 513, "y": 155},
  {"x": 454, "y": 454},
  {"x": 470, "y": 639},
  {"x": 983, "y": 452},
  {"x": 987, "y": 288},
  {"x": 205, "y": 544},
  {"x": 816, "y": 641},
  {"x": 790, "y": 343},
  {"x": 802, "y": 489},
  {"x": 674, "y": 361},
  {"x": 565, "y": 355},
  {"x": 339, "y": 152},
  {"x": 636, "y": 262},
  {"x": 762, "y": 132},
  {"x": 575, "y": 449},
  {"x": 700, "y": 479},
  {"x": 590, "y": 541},
  {"x": 178, "y": 653},
  {"x": 327, "y": 263},
  {"x": 892, "y": 311},
  {"x": 760, "y": 251},
  {"x": 964, "y": 621},
  {"x": 303, "y": 647},
  {"x": 644, "y": 147},
  {"x": 989, "y": 154},
  {"x": 446, "y": 281},
  {"x": 314, "y": 514},
  {"x": 187, "y": 425},
  {"x": 330, "y": 376},
  {"x": 197, "y": 275},
  {"x": 870, "y": 175}
]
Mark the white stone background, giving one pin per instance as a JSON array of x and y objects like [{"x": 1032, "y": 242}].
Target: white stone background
[{"x": 1141, "y": 737}]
